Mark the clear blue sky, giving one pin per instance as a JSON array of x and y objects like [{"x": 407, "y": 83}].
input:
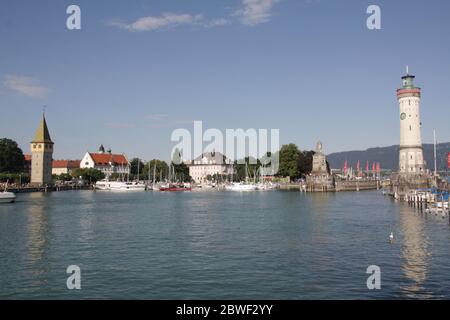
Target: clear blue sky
[{"x": 139, "y": 69}]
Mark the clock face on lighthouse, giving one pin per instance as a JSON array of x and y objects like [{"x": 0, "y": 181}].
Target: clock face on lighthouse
[{"x": 403, "y": 116}]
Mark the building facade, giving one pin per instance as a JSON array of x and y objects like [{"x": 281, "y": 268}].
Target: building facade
[
  {"x": 209, "y": 164},
  {"x": 411, "y": 160},
  {"x": 41, "y": 155},
  {"x": 106, "y": 162},
  {"x": 64, "y": 166}
]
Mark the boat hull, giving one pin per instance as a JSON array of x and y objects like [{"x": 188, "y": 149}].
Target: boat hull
[
  {"x": 241, "y": 187},
  {"x": 7, "y": 197},
  {"x": 175, "y": 189},
  {"x": 119, "y": 186}
]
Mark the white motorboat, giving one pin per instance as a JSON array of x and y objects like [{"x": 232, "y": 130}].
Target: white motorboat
[
  {"x": 241, "y": 187},
  {"x": 7, "y": 197},
  {"x": 119, "y": 186}
]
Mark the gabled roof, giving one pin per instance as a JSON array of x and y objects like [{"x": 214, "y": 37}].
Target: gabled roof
[
  {"x": 42, "y": 134},
  {"x": 212, "y": 158},
  {"x": 104, "y": 159}
]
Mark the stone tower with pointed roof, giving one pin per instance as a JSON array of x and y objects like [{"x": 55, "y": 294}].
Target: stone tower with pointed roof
[{"x": 41, "y": 155}]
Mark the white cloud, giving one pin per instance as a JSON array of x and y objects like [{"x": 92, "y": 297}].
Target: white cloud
[
  {"x": 255, "y": 11},
  {"x": 219, "y": 22},
  {"x": 26, "y": 86},
  {"x": 151, "y": 23},
  {"x": 251, "y": 13}
]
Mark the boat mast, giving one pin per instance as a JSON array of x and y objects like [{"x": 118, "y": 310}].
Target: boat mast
[
  {"x": 149, "y": 169},
  {"x": 138, "y": 169},
  {"x": 435, "y": 161}
]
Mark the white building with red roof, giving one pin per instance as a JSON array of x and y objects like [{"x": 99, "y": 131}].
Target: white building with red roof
[
  {"x": 106, "y": 162},
  {"x": 64, "y": 166}
]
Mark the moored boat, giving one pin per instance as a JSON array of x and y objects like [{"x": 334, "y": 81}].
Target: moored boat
[
  {"x": 176, "y": 187},
  {"x": 7, "y": 197},
  {"x": 241, "y": 187},
  {"x": 120, "y": 186}
]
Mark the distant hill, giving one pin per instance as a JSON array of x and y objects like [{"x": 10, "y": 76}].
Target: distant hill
[{"x": 388, "y": 157}]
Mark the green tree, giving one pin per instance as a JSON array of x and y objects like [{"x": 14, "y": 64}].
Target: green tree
[
  {"x": 19, "y": 178},
  {"x": 136, "y": 164},
  {"x": 289, "y": 155},
  {"x": 11, "y": 156},
  {"x": 241, "y": 173},
  {"x": 162, "y": 170},
  {"x": 182, "y": 172},
  {"x": 304, "y": 162},
  {"x": 64, "y": 177},
  {"x": 88, "y": 174}
]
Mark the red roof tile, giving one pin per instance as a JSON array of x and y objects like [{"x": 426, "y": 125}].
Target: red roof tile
[
  {"x": 69, "y": 164},
  {"x": 103, "y": 159}
]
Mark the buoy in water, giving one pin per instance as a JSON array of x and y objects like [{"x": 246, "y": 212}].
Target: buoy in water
[{"x": 391, "y": 237}]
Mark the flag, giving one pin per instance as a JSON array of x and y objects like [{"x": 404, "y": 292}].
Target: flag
[
  {"x": 357, "y": 166},
  {"x": 367, "y": 166},
  {"x": 345, "y": 168},
  {"x": 448, "y": 160},
  {"x": 373, "y": 167},
  {"x": 378, "y": 167}
]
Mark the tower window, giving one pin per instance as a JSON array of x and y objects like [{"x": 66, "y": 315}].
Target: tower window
[{"x": 409, "y": 128}]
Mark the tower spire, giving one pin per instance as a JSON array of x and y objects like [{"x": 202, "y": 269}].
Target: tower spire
[{"x": 407, "y": 70}]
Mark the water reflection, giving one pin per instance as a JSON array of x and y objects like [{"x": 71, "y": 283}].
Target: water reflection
[
  {"x": 37, "y": 232},
  {"x": 415, "y": 252}
]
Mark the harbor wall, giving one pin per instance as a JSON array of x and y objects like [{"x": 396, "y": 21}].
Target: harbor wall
[{"x": 47, "y": 188}]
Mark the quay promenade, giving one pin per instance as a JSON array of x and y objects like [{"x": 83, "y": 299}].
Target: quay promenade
[{"x": 26, "y": 189}]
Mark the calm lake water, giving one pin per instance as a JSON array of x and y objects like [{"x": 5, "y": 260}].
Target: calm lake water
[{"x": 220, "y": 245}]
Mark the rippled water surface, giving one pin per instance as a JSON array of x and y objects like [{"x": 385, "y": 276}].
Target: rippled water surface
[{"x": 220, "y": 245}]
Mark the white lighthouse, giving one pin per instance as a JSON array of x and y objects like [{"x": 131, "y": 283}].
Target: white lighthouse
[{"x": 411, "y": 160}]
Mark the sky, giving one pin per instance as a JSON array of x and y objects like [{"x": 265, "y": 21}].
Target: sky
[{"x": 137, "y": 70}]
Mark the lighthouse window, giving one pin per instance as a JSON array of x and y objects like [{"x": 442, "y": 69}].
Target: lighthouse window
[
  {"x": 409, "y": 102},
  {"x": 409, "y": 128}
]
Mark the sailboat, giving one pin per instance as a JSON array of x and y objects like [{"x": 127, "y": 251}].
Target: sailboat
[
  {"x": 121, "y": 185},
  {"x": 174, "y": 186},
  {"x": 242, "y": 186},
  {"x": 7, "y": 197},
  {"x": 152, "y": 186}
]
